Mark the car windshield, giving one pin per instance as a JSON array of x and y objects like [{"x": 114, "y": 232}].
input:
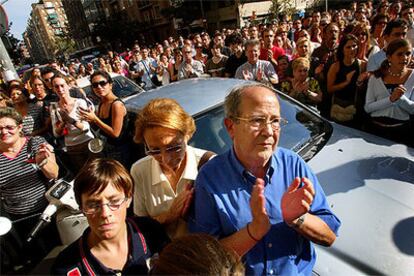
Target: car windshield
[
  {"x": 121, "y": 86},
  {"x": 305, "y": 133}
]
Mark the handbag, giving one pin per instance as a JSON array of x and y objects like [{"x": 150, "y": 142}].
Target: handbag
[
  {"x": 343, "y": 114},
  {"x": 98, "y": 143},
  {"x": 342, "y": 111}
]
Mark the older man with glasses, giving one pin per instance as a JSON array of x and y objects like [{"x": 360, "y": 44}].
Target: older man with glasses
[
  {"x": 260, "y": 200},
  {"x": 189, "y": 68}
]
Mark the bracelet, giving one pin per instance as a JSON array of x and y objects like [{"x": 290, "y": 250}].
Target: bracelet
[
  {"x": 43, "y": 163},
  {"x": 250, "y": 234}
]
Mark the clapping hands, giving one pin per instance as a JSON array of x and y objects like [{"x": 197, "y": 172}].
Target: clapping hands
[{"x": 297, "y": 201}]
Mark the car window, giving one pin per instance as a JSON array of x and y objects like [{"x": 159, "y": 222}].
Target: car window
[
  {"x": 121, "y": 86},
  {"x": 124, "y": 87},
  {"x": 305, "y": 133}
]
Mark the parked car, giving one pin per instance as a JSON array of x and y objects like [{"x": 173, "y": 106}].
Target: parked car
[
  {"x": 369, "y": 181},
  {"x": 122, "y": 87}
]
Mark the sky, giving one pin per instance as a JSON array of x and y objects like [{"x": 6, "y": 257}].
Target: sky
[{"x": 18, "y": 12}]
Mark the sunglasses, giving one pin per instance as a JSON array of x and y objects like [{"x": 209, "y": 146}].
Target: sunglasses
[
  {"x": 99, "y": 83},
  {"x": 169, "y": 150}
]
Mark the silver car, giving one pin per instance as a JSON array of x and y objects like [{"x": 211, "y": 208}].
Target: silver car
[
  {"x": 122, "y": 87},
  {"x": 369, "y": 181}
]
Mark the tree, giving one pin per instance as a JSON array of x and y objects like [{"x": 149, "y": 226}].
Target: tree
[
  {"x": 64, "y": 45},
  {"x": 282, "y": 7},
  {"x": 11, "y": 44}
]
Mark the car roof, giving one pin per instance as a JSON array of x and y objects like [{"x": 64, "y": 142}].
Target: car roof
[
  {"x": 210, "y": 90},
  {"x": 83, "y": 82}
]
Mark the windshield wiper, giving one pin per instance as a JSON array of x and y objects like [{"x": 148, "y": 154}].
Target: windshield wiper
[{"x": 308, "y": 146}]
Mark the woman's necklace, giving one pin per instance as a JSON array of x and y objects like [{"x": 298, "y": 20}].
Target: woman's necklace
[
  {"x": 395, "y": 74},
  {"x": 216, "y": 59}
]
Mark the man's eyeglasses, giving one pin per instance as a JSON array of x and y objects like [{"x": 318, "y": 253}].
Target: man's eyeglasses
[
  {"x": 168, "y": 150},
  {"x": 101, "y": 83},
  {"x": 8, "y": 128},
  {"x": 48, "y": 80},
  {"x": 113, "y": 205},
  {"x": 259, "y": 123}
]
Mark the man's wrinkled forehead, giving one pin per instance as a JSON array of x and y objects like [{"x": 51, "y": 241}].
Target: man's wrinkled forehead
[{"x": 258, "y": 94}]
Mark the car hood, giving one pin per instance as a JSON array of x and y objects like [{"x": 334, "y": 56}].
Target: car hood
[{"x": 369, "y": 183}]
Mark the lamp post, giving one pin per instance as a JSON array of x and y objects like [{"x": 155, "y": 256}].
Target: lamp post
[{"x": 7, "y": 70}]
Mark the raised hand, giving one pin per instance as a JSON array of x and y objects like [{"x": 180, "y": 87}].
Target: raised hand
[
  {"x": 246, "y": 74},
  {"x": 363, "y": 76},
  {"x": 297, "y": 201},
  {"x": 259, "y": 75},
  {"x": 66, "y": 118},
  {"x": 87, "y": 114},
  {"x": 181, "y": 203},
  {"x": 397, "y": 93},
  {"x": 349, "y": 76},
  {"x": 269, "y": 54},
  {"x": 260, "y": 224},
  {"x": 43, "y": 153}
]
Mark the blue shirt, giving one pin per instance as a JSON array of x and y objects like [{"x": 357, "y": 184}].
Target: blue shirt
[{"x": 222, "y": 207}]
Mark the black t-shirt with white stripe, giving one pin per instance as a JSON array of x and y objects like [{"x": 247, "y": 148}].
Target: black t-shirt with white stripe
[{"x": 22, "y": 186}]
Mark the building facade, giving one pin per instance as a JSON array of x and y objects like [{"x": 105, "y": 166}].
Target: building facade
[{"x": 46, "y": 24}]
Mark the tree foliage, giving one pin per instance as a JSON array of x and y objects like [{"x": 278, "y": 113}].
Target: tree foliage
[
  {"x": 282, "y": 7},
  {"x": 11, "y": 44}
]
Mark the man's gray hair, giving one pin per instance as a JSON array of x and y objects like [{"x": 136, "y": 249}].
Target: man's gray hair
[
  {"x": 251, "y": 42},
  {"x": 233, "y": 99}
]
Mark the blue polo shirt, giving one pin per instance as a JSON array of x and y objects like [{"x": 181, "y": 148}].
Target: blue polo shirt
[{"x": 222, "y": 207}]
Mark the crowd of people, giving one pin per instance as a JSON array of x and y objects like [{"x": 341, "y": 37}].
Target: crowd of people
[{"x": 353, "y": 66}]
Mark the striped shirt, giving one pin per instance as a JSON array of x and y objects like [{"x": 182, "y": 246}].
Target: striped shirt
[
  {"x": 33, "y": 120},
  {"x": 22, "y": 186}
]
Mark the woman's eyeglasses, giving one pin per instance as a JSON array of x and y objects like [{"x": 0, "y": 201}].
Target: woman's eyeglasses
[
  {"x": 9, "y": 128},
  {"x": 101, "y": 83},
  {"x": 168, "y": 150}
]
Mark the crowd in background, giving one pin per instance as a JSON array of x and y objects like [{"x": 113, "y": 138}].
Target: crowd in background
[
  {"x": 323, "y": 59},
  {"x": 353, "y": 66}
]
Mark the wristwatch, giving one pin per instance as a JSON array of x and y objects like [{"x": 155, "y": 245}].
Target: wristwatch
[{"x": 299, "y": 222}]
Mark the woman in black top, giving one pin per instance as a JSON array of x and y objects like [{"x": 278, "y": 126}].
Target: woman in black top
[
  {"x": 343, "y": 77},
  {"x": 111, "y": 118}
]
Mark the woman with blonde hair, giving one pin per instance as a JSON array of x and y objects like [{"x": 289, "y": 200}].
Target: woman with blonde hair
[
  {"x": 163, "y": 180},
  {"x": 302, "y": 87}
]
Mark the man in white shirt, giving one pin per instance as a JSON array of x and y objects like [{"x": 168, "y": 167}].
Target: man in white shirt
[
  {"x": 256, "y": 69},
  {"x": 407, "y": 13},
  {"x": 189, "y": 68}
]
